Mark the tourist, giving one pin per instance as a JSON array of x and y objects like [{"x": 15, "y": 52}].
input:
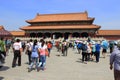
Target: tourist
[
  {"x": 79, "y": 46},
  {"x": 23, "y": 45},
  {"x": 17, "y": 49},
  {"x": 2, "y": 47},
  {"x": 97, "y": 53},
  {"x": 29, "y": 49},
  {"x": 57, "y": 45},
  {"x": 1, "y": 60},
  {"x": 75, "y": 46},
  {"x": 84, "y": 52},
  {"x": 40, "y": 42},
  {"x": 93, "y": 50},
  {"x": 105, "y": 46},
  {"x": 34, "y": 56},
  {"x": 60, "y": 46},
  {"x": 111, "y": 46},
  {"x": 42, "y": 53},
  {"x": 39, "y": 45},
  {"x": 49, "y": 46},
  {"x": 115, "y": 59},
  {"x": 64, "y": 48},
  {"x": 89, "y": 50},
  {"x": 8, "y": 45},
  {"x": 2, "y": 52},
  {"x": 115, "y": 46}
]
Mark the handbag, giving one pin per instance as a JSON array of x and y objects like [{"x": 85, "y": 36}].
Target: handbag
[{"x": 46, "y": 53}]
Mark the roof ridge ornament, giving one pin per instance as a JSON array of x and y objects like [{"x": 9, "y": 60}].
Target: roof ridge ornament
[
  {"x": 86, "y": 12},
  {"x": 38, "y": 14}
]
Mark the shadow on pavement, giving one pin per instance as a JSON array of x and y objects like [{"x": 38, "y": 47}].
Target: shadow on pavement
[
  {"x": 4, "y": 68},
  {"x": 1, "y": 78},
  {"x": 26, "y": 63},
  {"x": 79, "y": 60}
]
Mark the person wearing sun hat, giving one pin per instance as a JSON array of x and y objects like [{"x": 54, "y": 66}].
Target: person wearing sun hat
[
  {"x": 115, "y": 60},
  {"x": 105, "y": 46},
  {"x": 84, "y": 52},
  {"x": 93, "y": 50},
  {"x": 97, "y": 53}
]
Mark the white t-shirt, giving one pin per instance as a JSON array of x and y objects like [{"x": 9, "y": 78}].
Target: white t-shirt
[
  {"x": 29, "y": 45},
  {"x": 39, "y": 44},
  {"x": 44, "y": 47},
  {"x": 17, "y": 45}
]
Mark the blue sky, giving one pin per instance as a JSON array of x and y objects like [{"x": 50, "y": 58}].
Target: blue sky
[{"x": 13, "y": 13}]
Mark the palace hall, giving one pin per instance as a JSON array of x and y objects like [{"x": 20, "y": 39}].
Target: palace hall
[{"x": 62, "y": 25}]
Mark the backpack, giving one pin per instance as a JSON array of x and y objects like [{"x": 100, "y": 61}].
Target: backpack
[
  {"x": 84, "y": 47},
  {"x": 79, "y": 46}
]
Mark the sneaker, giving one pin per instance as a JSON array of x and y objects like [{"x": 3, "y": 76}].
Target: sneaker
[
  {"x": 38, "y": 69},
  {"x": 19, "y": 65},
  {"x": 13, "y": 66},
  {"x": 85, "y": 62},
  {"x": 43, "y": 69}
]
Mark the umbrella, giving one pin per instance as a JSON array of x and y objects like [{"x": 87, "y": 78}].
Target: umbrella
[{"x": 105, "y": 44}]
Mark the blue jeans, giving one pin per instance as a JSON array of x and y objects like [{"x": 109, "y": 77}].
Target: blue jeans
[
  {"x": 35, "y": 62},
  {"x": 42, "y": 61}
]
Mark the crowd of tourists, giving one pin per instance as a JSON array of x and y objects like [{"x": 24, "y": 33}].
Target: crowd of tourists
[
  {"x": 38, "y": 50},
  {"x": 89, "y": 49}
]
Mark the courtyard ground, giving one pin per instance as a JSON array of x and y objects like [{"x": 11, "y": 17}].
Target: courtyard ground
[{"x": 59, "y": 68}]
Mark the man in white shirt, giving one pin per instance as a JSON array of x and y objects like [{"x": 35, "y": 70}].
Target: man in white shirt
[
  {"x": 29, "y": 49},
  {"x": 17, "y": 49}
]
